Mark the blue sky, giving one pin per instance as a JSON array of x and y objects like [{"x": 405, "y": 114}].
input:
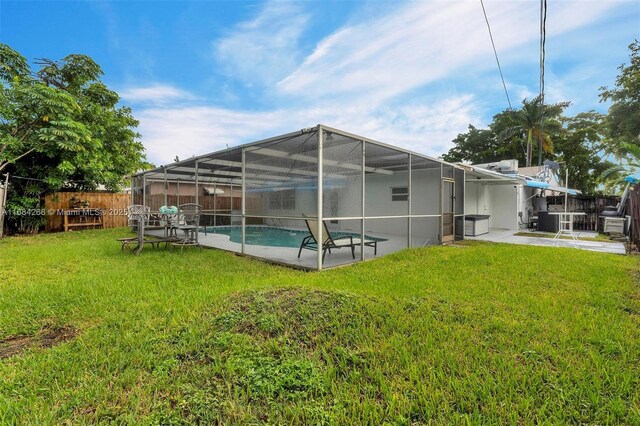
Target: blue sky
[{"x": 202, "y": 75}]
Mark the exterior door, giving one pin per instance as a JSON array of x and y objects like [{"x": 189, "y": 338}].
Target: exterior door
[{"x": 447, "y": 218}]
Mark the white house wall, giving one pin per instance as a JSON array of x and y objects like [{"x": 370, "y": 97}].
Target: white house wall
[
  {"x": 525, "y": 200},
  {"x": 508, "y": 206},
  {"x": 306, "y": 201},
  {"x": 477, "y": 198},
  {"x": 425, "y": 200},
  {"x": 471, "y": 198},
  {"x": 378, "y": 202},
  {"x": 504, "y": 203},
  {"x": 425, "y": 191}
]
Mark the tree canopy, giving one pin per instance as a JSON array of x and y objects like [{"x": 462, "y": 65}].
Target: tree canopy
[
  {"x": 578, "y": 141},
  {"x": 534, "y": 122},
  {"x": 62, "y": 127},
  {"x": 588, "y": 142},
  {"x": 623, "y": 118}
]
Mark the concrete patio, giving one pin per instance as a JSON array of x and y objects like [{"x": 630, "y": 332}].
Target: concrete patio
[
  {"x": 508, "y": 236},
  {"x": 392, "y": 243},
  {"x": 307, "y": 260}
]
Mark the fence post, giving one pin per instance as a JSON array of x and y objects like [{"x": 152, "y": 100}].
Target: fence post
[
  {"x": 3, "y": 203},
  {"x": 634, "y": 213}
]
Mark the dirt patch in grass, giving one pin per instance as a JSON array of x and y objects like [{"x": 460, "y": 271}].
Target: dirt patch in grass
[
  {"x": 265, "y": 349},
  {"x": 305, "y": 318},
  {"x": 46, "y": 338}
]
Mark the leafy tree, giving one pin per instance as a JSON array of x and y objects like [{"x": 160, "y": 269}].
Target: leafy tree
[
  {"x": 479, "y": 146},
  {"x": 33, "y": 116},
  {"x": 579, "y": 146},
  {"x": 628, "y": 166},
  {"x": 62, "y": 127},
  {"x": 535, "y": 121},
  {"x": 579, "y": 142},
  {"x": 623, "y": 118},
  {"x": 510, "y": 135}
]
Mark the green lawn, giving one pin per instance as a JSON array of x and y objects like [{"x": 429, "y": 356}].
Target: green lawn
[{"x": 478, "y": 333}]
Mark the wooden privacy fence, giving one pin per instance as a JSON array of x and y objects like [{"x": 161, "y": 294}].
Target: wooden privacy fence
[
  {"x": 114, "y": 208},
  {"x": 591, "y": 205},
  {"x": 219, "y": 204},
  {"x": 634, "y": 211}
]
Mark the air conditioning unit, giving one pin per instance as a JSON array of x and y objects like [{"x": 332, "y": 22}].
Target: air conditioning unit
[{"x": 504, "y": 166}]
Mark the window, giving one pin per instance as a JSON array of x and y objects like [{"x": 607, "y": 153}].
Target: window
[
  {"x": 275, "y": 201},
  {"x": 400, "y": 193},
  {"x": 289, "y": 199},
  {"x": 282, "y": 200}
]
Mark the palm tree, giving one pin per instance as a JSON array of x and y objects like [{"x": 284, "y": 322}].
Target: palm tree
[
  {"x": 534, "y": 121},
  {"x": 628, "y": 168}
]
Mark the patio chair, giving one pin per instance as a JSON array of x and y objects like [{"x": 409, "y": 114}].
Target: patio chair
[
  {"x": 135, "y": 213},
  {"x": 620, "y": 209},
  {"x": 140, "y": 219},
  {"x": 310, "y": 242},
  {"x": 189, "y": 223}
]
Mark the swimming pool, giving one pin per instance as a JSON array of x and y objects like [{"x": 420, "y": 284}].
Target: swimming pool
[{"x": 272, "y": 236}]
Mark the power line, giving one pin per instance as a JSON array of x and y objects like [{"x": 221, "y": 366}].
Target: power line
[
  {"x": 43, "y": 180},
  {"x": 496, "y": 55}
]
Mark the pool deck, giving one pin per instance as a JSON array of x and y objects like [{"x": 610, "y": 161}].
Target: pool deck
[
  {"x": 393, "y": 243},
  {"x": 308, "y": 259}
]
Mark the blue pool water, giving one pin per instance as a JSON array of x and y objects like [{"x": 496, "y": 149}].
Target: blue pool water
[{"x": 271, "y": 236}]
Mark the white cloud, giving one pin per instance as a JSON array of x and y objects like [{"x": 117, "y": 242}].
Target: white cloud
[
  {"x": 156, "y": 94},
  {"x": 265, "y": 48},
  {"x": 367, "y": 77},
  {"x": 187, "y": 131},
  {"x": 423, "y": 42}
]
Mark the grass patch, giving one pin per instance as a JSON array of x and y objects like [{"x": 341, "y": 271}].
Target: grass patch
[{"x": 488, "y": 333}]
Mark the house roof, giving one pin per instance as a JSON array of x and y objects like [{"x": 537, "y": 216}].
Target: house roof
[
  {"x": 225, "y": 166},
  {"x": 480, "y": 174}
]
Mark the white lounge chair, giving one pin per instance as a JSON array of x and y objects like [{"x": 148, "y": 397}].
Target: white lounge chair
[{"x": 328, "y": 242}]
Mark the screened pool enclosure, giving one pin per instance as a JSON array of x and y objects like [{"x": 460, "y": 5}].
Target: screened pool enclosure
[{"x": 276, "y": 198}]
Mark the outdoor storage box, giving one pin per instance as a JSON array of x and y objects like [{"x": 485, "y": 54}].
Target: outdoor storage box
[
  {"x": 614, "y": 225},
  {"x": 476, "y": 224}
]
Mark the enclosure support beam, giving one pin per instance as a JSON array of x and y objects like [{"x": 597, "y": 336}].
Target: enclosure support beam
[
  {"x": 441, "y": 204},
  {"x": 166, "y": 185},
  {"x": 362, "y": 176},
  {"x": 464, "y": 202},
  {"x": 144, "y": 190},
  {"x": 215, "y": 196},
  {"x": 196, "y": 178},
  {"x": 409, "y": 205},
  {"x": 243, "y": 200},
  {"x": 320, "y": 229}
]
